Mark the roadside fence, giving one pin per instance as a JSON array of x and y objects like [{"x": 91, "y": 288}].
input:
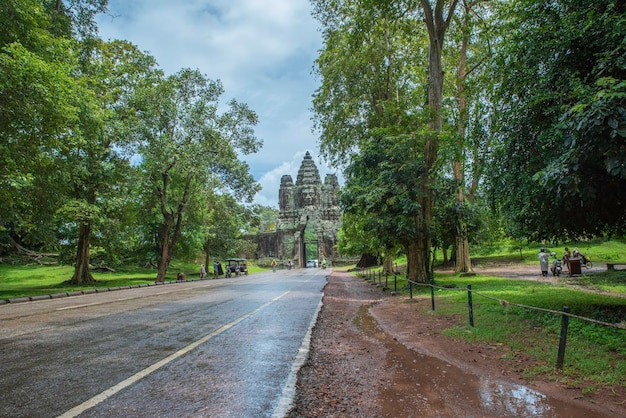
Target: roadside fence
[{"x": 376, "y": 277}]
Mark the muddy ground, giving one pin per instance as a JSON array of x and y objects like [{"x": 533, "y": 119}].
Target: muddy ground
[{"x": 378, "y": 355}]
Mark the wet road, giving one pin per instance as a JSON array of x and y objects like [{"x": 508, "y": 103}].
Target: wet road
[{"x": 219, "y": 348}]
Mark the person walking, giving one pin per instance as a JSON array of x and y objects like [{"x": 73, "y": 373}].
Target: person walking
[{"x": 202, "y": 271}]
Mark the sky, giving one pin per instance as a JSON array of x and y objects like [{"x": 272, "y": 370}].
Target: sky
[{"x": 263, "y": 52}]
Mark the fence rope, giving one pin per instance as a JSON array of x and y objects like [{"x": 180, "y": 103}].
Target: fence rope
[{"x": 505, "y": 303}]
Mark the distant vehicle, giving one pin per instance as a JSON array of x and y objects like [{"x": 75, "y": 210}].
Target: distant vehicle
[
  {"x": 237, "y": 266},
  {"x": 311, "y": 263}
]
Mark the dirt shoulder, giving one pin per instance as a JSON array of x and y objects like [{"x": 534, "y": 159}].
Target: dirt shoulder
[{"x": 374, "y": 354}]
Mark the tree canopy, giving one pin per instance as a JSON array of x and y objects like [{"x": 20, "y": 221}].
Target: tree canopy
[
  {"x": 559, "y": 161},
  {"x": 527, "y": 114},
  {"x": 103, "y": 154}
]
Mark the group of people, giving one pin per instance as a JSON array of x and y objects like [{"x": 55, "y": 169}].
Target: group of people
[
  {"x": 275, "y": 265},
  {"x": 217, "y": 270},
  {"x": 544, "y": 258}
]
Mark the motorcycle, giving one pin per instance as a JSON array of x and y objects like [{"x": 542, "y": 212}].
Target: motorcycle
[
  {"x": 585, "y": 261},
  {"x": 556, "y": 268}
]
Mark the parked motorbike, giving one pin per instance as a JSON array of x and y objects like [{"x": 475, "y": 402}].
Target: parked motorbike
[
  {"x": 585, "y": 262},
  {"x": 556, "y": 268}
]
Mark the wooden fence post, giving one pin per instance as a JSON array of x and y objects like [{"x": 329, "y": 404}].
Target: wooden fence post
[{"x": 562, "y": 339}]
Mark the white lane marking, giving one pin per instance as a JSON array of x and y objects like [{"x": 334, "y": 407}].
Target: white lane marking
[
  {"x": 90, "y": 403},
  {"x": 289, "y": 390},
  {"x": 123, "y": 299}
]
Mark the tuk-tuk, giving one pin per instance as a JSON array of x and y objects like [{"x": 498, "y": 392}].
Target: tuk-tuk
[{"x": 236, "y": 266}]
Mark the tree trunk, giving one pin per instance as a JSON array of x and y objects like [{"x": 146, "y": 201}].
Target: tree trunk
[
  {"x": 169, "y": 237},
  {"x": 367, "y": 260},
  {"x": 388, "y": 265},
  {"x": 463, "y": 260},
  {"x": 412, "y": 261},
  {"x": 207, "y": 253},
  {"x": 82, "y": 275},
  {"x": 436, "y": 25},
  {"x": 164, "y": 259}
]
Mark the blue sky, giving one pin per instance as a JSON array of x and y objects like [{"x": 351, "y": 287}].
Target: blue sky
[{"x": 262, "y": 51}]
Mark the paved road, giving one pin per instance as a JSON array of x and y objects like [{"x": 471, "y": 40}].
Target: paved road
[{"x": 218, "y": 348}]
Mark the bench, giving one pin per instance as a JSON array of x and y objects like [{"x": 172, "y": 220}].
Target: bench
[{"x": 611, "y": 266}]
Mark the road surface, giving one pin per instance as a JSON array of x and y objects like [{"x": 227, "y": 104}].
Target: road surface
[{"x": 219, "y": 348}]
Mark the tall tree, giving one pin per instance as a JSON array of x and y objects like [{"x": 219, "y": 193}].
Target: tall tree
[
  {"x": 188, "y": 147},
  {"x": 468, "y": 51},
  {"x": 95, "y": 158},
  {"x": 371, "y": 85},
  {"x": 394, "y": 90},
  {"x": 437, "y": 21}
]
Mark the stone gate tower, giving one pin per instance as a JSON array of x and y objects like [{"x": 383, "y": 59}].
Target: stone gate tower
[{"x": 308, "y": 202}]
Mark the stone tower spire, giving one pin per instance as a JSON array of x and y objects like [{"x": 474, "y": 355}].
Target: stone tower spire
[{"x": 308, "y": 173}]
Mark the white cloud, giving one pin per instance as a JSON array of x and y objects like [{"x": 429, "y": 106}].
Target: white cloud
[{"x": 262, "y": 51}]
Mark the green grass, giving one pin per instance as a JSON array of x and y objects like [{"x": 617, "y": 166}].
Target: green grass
[
  {"x": 595, "y": 354},
  {"x": 611, "y": 281},
  {"x": 508, "y": 252},
  {"x": 33, "y": 280}
]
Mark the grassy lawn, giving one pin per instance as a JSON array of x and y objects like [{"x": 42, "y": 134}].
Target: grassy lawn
[{"x": 34, "y": 280}]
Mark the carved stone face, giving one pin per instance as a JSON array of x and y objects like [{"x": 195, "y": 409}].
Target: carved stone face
[{"x": 308, "y": 197}]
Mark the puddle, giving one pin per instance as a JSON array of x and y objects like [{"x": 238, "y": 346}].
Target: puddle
[{"x": 515, "y": 400}]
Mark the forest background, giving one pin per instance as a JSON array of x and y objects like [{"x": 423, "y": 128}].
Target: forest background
[{"x": 455, "y": 123}]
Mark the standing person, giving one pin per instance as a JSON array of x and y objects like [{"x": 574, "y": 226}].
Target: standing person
[
  {"x": 220, "y": 270},
  {"x": 274, "y": 264},
  {"x": 544, "y": 258},
  {"x": 566, "y": 257},
  {"x": 202, "y": 271},
  {"x": 216, "y": 269},
  {"x": 289, "y": 265}
]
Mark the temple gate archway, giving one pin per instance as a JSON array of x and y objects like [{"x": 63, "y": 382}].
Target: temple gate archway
[{"x": 307, "y": 203}]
